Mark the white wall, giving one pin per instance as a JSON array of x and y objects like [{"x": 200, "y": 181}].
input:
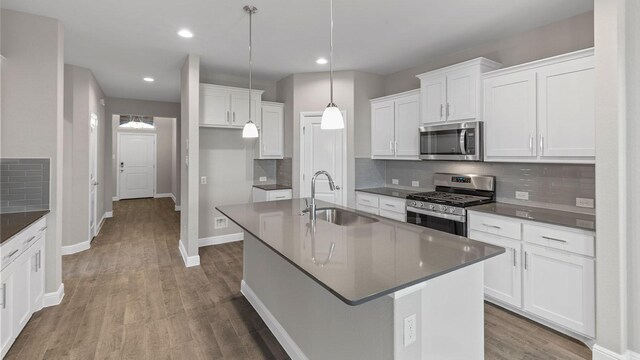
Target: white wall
[
  {"x": 82, "y": 98},
  {"x": 33, "y": 111},
  {"x": 366, "y": 87}
]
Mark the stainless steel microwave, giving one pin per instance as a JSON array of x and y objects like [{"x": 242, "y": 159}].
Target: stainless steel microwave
[{"x": 459, "y": 141}]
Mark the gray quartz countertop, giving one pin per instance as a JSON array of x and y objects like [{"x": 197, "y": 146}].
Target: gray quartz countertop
[
  {"x": 270, "y": 187},
  {"x": 356, "y": 263},
  {"x": 389, "y": 191},
  {"x": 11, "y": 224},
  {"x": 553, "y": 217}
]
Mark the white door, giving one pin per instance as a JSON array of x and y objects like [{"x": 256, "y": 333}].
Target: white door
[
  {"x": 510, "y": 115},
  {"x": 240, "y": 108},
  {"x": 215, "y": 107},
  {"x": 434, "y": 98},
  {"x": 382, "y": 129},
  {"x": 272, "y": 131},
  {"x": 137, "y": 154},
  {"x": 6, "y": 311},
  {"x": 559, "y": 287},
  {"x": 93, "y": 175},
  {"x": 566, "y": 103},
  {"x": 462, "y": 89},
  {"x": 407, "y": 110},
  {"x": 322, "y": 150}
]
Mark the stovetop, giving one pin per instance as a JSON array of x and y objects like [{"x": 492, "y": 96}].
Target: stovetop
[{"x": 451, "y": 199}]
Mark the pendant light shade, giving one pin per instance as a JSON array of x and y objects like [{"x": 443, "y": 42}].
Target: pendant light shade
[
  {"x": 250, "y": 130},
  {"x": 331, "y": 117}
]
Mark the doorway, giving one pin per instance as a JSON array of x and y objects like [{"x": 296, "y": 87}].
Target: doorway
[
  {"x": 323, "y": 150},
  {"x": 136, "y": 165}
]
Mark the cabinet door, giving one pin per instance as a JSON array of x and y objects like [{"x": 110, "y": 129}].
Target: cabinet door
[
  {"x": 36, "y": 281},
  {"x": 502, "y": 273},
  {"x": 215, "y": 108},
  {"x": 6, "y": 312},
  {"x": 20, "y": 293},
  {"x": 566, "y": 101},
  {"x": 407, "y": 122},
  {"x": 271, "y": 139},
  {"x": 434, "y": 98},
  {"x": 559, "y": 287},
  {"x": 382, "y": 129},
  {"x": 510, "y": 115},
  {"x": 240, "y": 108},
  {"x": 462, "y": 95}
]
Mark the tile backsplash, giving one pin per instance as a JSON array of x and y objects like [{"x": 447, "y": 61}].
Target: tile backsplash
[
  {"x": 554, "y": 186},
  {"x": 24, "y": 185},
  {"x": 276, "y": 171}
]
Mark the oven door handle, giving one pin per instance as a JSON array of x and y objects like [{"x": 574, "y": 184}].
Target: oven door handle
[
  {"x": 454, "y": 217},
  {"x": 463, "y": 142}
]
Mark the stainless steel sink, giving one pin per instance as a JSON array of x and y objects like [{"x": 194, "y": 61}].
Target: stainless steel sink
[{"x": 342, "y": 217}]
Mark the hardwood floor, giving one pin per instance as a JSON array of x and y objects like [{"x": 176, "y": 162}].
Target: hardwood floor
[{"x": 131, "y": 297}]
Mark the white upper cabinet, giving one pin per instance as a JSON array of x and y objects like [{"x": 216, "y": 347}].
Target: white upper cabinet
[
  {"x": 271, "y": 141},
  {"x": 454, "y": 93},
  {"x": 543, "y": 111},
  {"x": 395, "y": 120},
  {"x": 223, "y": 106}
]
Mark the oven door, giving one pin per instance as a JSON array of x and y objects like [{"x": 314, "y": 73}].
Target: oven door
[
  {"x": 449, "y": 223},
  {"x": 461, "y": 141}
]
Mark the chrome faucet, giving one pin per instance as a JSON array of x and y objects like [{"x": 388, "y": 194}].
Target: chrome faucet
[{"x": 312, "y": 208}]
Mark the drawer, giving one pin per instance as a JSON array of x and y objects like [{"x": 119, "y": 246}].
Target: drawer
[
  {"x": 496, "y": 225},
  {"x": 560, "y": 238},
  {"x": 396, "y": 205},
  {"x": 279, "y": 195},
  {"x": 393, "y": 215},
  {"x": 367, "y": 200},
  {"x": 367, "y": 209},
  {"x": 12, "y": 248}
]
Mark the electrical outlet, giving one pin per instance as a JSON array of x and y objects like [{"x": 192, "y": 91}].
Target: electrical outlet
[
  {"x": 203, "y": 180},
  {"x": 415, "y": 183},
  {"x": 395, "y": 181},
  {"x": 263, "y": 178},
  {"x": 522, "y": 195},
  {"x": 584, "y": 202},
  {"x": 410, "y": 324},
  {"x": 220, "y": 222}
]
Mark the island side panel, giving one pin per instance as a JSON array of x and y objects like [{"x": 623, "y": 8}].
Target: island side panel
[{"x": 322, "y": 326}]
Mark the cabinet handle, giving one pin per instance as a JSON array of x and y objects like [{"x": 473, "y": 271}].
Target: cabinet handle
[
  {"x": 554, "y": 239},
  {"x": 492, "y": 226},
  {"x": 514, "y": 258},
  {"x": 12, "y": 253},
  {"x": 391, "y": 146},
  {"x": 395, "y": 149},
  {"x": 4, "y": 295},
  {"x": 441, "y": 110},
  {"x": 526, "y": 261},
  {"x": 30, "y": 240},
  {"x": 531, "y": 144},
  {"x": 39, "y": 262},
  {"x": 448, "y": 109},
  {"x": 234, "y": 117},
  {"x": 541, "y": 144},
  {"x": 280, "y": 197},
  {"x": 390, "y": 205},
  {"x": 228, "y": 120},
  {"x": 43, "y": 229},
  {"x": 365, "y": 200}
]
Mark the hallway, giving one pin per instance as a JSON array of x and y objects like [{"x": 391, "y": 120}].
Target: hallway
[{"x": 130, "y": 296}]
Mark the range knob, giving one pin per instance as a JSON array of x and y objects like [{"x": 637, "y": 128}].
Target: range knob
[
  {"x": 431, "y": 206},
  {"x": 452, "y": 210}
]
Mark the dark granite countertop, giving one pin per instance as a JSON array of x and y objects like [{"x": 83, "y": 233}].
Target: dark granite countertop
[
  {"x": 553, "y": 217},
  {"x": 381, "y": 257},
  {"x": 389, "y": 191},
  {"x": 11, "y": 224},
  {"x": 271, "y": 187}
]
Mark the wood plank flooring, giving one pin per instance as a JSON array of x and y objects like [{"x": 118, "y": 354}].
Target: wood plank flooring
[{"x": 130, "y": 297}]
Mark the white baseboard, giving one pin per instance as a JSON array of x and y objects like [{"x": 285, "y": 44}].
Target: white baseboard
[
  {"x": 178, "y": 208},
  {"x": 634, "y": 355},
  {"x": 220, "y": 239},
  {"x": 53, "y": 298},
  {"x": 108, "y": 214},
  {"x": 173, "y": 197},
  {"x": 292, "y": 349},
  {"x": 104, "y": 217},
  {"x": 115, "y": 198},
  {"x": 189, "y": 261},
  {"x": 163, "y": 195},
  {"x": 72, "y": 249},
  {"x": 601, "y": 353}
]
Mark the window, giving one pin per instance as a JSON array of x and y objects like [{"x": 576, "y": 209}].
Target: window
[{"x": 139, "y": 122}]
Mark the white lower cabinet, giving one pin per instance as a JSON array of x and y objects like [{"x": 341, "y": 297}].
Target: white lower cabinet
[
  {"x": 385, "y": 206},
  {"x": 547, "y": 272},
  {"x": 21, "y": 282},
  {"x": 559, "y": 287}
]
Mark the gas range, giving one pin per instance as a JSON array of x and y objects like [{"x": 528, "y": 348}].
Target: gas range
[{"x": 444, "y": 209}]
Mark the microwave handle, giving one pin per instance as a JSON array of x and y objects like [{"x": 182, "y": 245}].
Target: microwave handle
[{"x": 463, "y": 142}]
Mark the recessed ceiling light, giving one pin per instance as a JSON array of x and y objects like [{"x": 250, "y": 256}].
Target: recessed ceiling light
[
  {"x": 185, "y": 33},
  {"x": 148, "y": 79},
  {"x": 321, "y": 61}
]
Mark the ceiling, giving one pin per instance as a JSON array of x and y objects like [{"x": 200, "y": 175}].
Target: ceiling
[{"x": 123, "y": 41}]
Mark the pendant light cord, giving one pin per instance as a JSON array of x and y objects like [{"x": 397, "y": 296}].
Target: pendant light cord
[
  {"x": 250, "y": 61},
  {"x": 331, "y": 53}
]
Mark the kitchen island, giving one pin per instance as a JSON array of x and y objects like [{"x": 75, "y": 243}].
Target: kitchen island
[{"x": 351, "y": 285}]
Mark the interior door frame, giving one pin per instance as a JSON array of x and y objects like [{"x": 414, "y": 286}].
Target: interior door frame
[
  {"x": 93, "y": 166},
  {"x": 344, "y": 185},
  {"x": 155, "y": 158}
]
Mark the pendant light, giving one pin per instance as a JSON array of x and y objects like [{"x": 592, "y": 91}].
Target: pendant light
[
  {"x": 250, "y": 130},
  {"x": 331, "y": 117}
]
